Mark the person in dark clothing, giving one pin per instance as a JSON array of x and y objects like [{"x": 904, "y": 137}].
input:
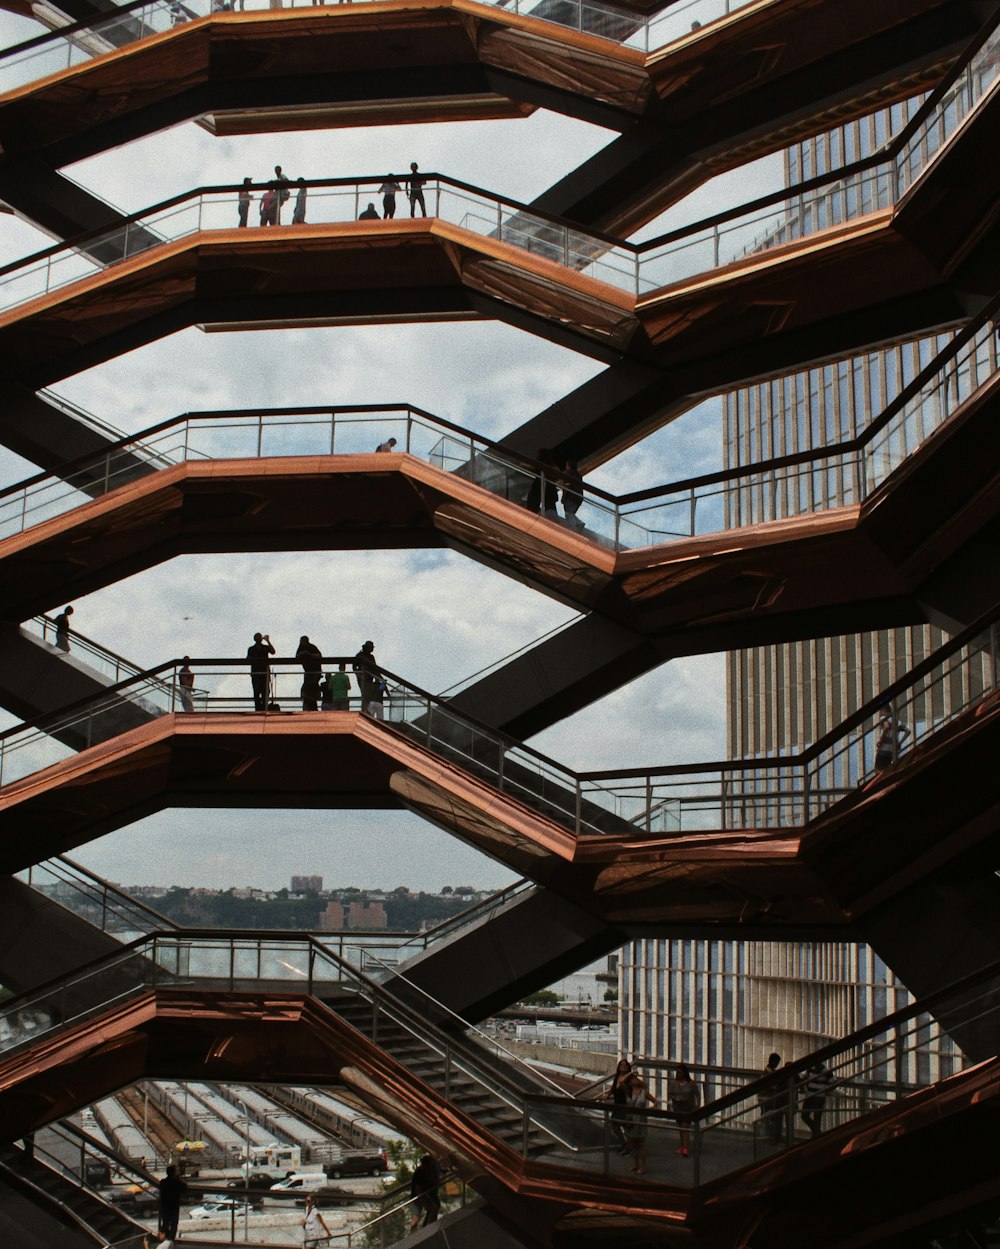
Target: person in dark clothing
[
  {"x": 310, "y": 656},
  {"x": 618, "y": 1093},
  {"x": 368, "y": 673},
  {"x": 260, "y": 669},
  {"x": 370, "y": 214},
  {"x": 772, "y": 1104},
  {"x": 299, "y": 212},
  {"x": 281, "y": 185},
  {"x": 424, "y": 1190},
  {"x": 572, "y": 493},
  {"x": 244, "y": 199},
  {"x": 172, "y": 1189},
  {"x": 62, "y": 629},
  {"x": 816, "y": 1086},
  {"x": 415, "y": 190}
]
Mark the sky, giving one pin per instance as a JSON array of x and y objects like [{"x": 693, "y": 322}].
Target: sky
[{"x": 436, "y": 616}]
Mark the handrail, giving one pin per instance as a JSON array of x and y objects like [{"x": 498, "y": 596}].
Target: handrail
[
  {"x": 76, "y": 871},
  {"x": 497, "y": 1082},
  {"x": 46, "y": 1199},
  {"x": 958, "y": 999},
  {"x": 51, "y": 720},
  {"x": 467, "y": 1027},
  {"x": 889, "y": 153},
  {"x": 486, "y": 463},
  {"x": 639, "y": 22}
]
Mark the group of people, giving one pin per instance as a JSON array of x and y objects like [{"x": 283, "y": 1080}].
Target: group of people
[
  {"x": 632, "y": 1098},
  {"x": 278, "y": 191},
  {"x": 275, "y": 196},
  {"x": 560, "y": 479},
  {"x": 805, "y": 1093},
  {"x": 330, "y": 691}
]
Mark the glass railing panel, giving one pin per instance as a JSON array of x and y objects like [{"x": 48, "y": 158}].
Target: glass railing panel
[
  {"x": 296, "y": 435},
  {"x": 105, "y": 908},
  {"x": 681, "y": 19},
  {"x": 29, "y": 1020},
  {"x": 917, "y": 712},
  {"x": 937, "y": 129}
]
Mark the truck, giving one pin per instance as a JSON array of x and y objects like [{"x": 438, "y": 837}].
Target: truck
[
  {"x": 272, "y": 1161},
  {"x": 358, "y": 1162}
]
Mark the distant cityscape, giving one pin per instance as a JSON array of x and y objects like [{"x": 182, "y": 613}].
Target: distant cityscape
[{"x": 306, "y": 905}]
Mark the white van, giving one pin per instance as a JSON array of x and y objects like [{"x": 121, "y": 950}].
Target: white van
[{"x": 301, "y": 1181}]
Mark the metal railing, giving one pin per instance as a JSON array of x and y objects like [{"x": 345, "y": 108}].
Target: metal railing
[
  {"x": 78, "y": 43},
  {"x": 867, "y": 1070},
  {"x": 762, "y": 793},
  {"x": 838, "y": 475},
  {"x": 854, "y": 191}
]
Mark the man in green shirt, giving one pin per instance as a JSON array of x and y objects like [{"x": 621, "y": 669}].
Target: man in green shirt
[{"x": 340, "y": 690}]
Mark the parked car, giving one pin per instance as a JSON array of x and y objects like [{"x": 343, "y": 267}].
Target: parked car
[
  {"x": 370, "y": 1162},
  {"x": 303, "y": 1181},
  {"x": 214, "y": 1207}
]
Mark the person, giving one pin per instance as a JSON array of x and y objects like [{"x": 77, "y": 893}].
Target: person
[
  {"x": 367, "y": 672},
  {"x": 816, "y": 1085},
  {"x": 260, "y": 669},
  {"x": 424, "y": 1190},
  {"x": 244, "y": 200},
  {"x": 370, "y": 213},
  {"x": 891, "y": 735},
  {"x": 299, "y": 212},
  {"x": 636, "y": 1125},
  {"x": 314, "y": 1228},
  {"x": 772, "y": 1104},
  {"x": 310, "y": 656},
  {"x": 389, "y": 189},
  {"x": 376, "y": 700},
  {"x": 171, "y": 1190},
  {"x": 617, "y": 1093},
  {"x": 415, "y": 189},
  {"x": 325, "y": 693},
  {"x": 185, "y": 680},
  {"x": 340, "y": 690},
  {"x": 159, "y": 1242},
  {"x": 284, "y": 194},
  {"x": 685, "y": 1098},
  {"x": 62, "y": 629},
  {"x": 178, "y": 15},
  {"x": 269, "y": 206},
  {"x": 572, "y": 493},
  {"x": 388, "y": 445}
]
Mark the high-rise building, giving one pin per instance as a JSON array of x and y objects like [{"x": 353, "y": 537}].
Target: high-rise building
[{"x": 307, "y": 884}]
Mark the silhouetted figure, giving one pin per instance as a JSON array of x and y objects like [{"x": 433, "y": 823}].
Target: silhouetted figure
[
  {"x": 244, "y": 200},
  {"x": 816, "y": 1085},
  {"x": 62, "y": 629},
  {"x": 618, "y": 1093},
  {"x": 269, "y": 206},
  {"x": 772, "y": 1104},
  {"x": 424, "y": 1190},
  {"x": 172, "y": 1189},
  {"x": 299, "y": 212},
  {"x": 892, "y": 733},
  {"x": 388, "y": 445},
  {"x": 185, "y": 682},
  {"x": 572, "y": 493},
  {"x": 260, "y": 669},
  {"x": 636, "y": 1121},
  {"x": 310, "y": 656},
  {"x": 284, "y": 194},
  {"x": 389, "y": 189},
  {"x": 415, "y": 189},
  {"x": 367, "y": 672},
  {"x": 370, "y": 213}
]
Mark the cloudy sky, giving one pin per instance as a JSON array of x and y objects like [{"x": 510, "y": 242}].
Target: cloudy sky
[{"x": 436, "y": 616}]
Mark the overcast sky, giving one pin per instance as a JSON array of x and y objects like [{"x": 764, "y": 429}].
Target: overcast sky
[{"x": 436, "y": 616}]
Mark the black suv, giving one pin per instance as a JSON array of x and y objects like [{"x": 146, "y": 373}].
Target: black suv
[{"x": 360, "y": 1163}]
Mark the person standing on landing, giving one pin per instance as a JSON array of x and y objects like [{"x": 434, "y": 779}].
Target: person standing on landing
[
  {"x": 260, "y": 669},
  {"x": 62, "y": 629},
  {"x": 415, "y": 184}
]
